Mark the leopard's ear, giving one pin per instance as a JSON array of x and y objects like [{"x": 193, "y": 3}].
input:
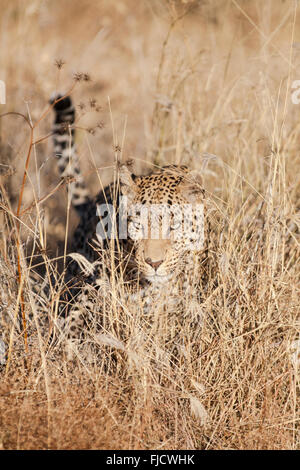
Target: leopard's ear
[
  {"x": 127, "y": 184},
  {"x": 191, "y": 187}
]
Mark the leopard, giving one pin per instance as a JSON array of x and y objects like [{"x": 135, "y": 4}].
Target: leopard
[{"x": 151, "y": 230}]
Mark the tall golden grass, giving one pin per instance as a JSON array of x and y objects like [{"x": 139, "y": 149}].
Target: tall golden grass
[{"x": 204, "y": 83}]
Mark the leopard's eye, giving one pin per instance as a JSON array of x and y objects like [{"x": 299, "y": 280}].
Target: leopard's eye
[
  {"x": 135, "y": 230},
  {"x": 175, "y": 224},
  {"x": 135, "y": 225}
]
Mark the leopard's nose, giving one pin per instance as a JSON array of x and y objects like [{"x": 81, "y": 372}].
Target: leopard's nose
[{"x": 154, "y": 264}]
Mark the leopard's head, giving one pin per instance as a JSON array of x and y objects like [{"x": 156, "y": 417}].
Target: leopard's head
[{"x": 165, "y": 219}]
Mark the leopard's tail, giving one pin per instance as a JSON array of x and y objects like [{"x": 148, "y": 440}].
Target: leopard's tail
[{"x": 66, "y": 153}]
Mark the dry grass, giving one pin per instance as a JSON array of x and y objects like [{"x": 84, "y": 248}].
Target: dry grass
[{"x": 212, "y": 89}]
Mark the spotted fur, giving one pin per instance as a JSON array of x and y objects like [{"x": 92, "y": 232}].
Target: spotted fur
[{"x": 151, "y": 264}]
